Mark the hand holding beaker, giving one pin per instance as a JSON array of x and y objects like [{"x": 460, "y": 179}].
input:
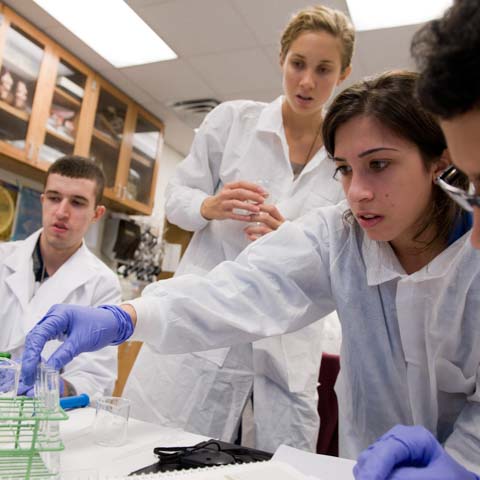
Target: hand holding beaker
[{"x": 235, "y": 201}]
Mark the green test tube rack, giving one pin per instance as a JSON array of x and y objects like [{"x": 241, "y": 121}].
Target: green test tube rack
[{"x": 26, "y": 439}]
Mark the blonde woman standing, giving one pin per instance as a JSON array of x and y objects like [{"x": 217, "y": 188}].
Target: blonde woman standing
[{"x": 251, "y": 167}]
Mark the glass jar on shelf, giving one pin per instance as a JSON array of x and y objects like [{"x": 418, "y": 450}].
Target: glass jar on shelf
[
  {"x": 62, "y": 122},
  {"x": 147, "y": 142},
  {"x": 108, "y": 134},
  {"x": 19, "y": 73}
]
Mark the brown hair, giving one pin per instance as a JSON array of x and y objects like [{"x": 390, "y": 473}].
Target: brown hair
[
  {"x": 390, "y": 98},
  {"x": 74, "y": 166},
  {"x": 320, "y": 18}
]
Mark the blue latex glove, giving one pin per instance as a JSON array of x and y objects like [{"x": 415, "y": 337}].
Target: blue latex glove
[
  {"x": 408, "y": 453},
  {"x": 7, "y": 380},
  {"x": 82, "y": 329},
  {"x": 28, "y": 390}
]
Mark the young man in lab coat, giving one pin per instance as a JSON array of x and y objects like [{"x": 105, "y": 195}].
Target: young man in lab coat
[{"x": 53, "y": 265}]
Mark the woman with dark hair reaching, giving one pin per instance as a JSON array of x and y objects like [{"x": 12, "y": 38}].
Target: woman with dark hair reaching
[{"x": 446, "y": 51}]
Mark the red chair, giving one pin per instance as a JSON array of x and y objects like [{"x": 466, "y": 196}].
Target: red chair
[{"x": 327, "y": 443}]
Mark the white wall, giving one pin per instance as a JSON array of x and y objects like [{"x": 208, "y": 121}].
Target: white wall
[{"x": 169, "y": 159}]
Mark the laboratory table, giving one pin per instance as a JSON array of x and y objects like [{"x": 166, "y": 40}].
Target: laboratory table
[{"x": 84, "y": 460}]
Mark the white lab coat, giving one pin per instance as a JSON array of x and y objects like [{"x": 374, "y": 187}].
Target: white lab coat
[
  {"x": 410, "y": 342},
  {"x": 240, "y": 140},
  {"x": 83, "y": 279}
]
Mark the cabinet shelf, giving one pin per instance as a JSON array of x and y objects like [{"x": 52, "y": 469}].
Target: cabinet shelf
[
  {"x": 59, "y": 136},
  {"x": 103, "y": 137},
  {"x": 71, "y": 110},
  {"x": 16, "y": 112},
  {"x": 67, "y": 97},
  {"x": 145, "y": 161}
]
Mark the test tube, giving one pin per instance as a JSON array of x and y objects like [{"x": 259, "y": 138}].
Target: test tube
[{"x": 47, "y": 393}]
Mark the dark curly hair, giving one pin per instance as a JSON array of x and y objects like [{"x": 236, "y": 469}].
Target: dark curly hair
[
  {"x": 390, "y": 99},
  {"x": 447, "y": 54}
]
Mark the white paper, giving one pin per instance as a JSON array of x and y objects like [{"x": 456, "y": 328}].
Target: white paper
[
  {"x": 171, "y": 257},
  {"x": 249, "y": 471},
  {"x": 314, "y": 465}
]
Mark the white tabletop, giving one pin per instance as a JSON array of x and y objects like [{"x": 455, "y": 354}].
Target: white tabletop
[{"x": 84, "y": 460}]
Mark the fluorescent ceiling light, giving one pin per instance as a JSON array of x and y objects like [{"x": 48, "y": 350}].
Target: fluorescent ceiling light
[
  {"x": 376, "y": 14},
  {"x": 112, "y": 29}
]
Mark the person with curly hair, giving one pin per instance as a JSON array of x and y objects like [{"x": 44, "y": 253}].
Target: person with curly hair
[{"x": 447, "y": 54}]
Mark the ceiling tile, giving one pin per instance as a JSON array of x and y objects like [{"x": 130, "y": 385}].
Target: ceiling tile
[
  {"x": 265, "y": 95},
  {"x": 237, "y": 71},
  {"x": 267, "y": 19},
  {"x": 169, "y": 81},
  {"x": 385, "y": 49},
  {"x": 32, "y": 12},
  {"x": 126, "y": 85},
  {"x": 193, "y": 27},
  {"x": 273, "y": 54}
]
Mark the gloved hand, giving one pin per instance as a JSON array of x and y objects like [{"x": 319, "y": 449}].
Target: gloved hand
[
  {"x": 7, "y": 380},
  {"x": 408, "y": 453},
  {"x": 28, "y": 390},
  {"x": 83, "y": 329}
]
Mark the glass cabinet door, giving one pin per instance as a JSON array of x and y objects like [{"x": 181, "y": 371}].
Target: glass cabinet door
[
  {"x": 108, "y": 134},
  {"x": 146, "y": 146},
  {"x": 19, "y": 72},
  {"x": 64, "y": 115}
]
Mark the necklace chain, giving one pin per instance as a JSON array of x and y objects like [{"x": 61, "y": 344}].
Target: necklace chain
[{"x": 307, "y": 158}]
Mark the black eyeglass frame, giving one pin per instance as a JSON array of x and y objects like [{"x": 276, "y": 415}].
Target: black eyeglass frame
[{"x": 466, "y": 200}]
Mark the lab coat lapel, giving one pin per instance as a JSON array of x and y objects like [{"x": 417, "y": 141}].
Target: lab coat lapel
[
  {"x": 381, "y": 263},
  {"x": 21, "y": 281},
  {"x": 70, "y": 276},
  {"x": 271, "y": 121}
]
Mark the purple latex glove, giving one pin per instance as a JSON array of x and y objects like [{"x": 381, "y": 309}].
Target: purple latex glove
[
  {"x": 82, "y": 329},
  {"x": 408, "y": 453},
  {"x": 28, "y": 390}
]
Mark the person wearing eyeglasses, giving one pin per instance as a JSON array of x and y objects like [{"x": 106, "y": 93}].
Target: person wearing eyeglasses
[
  {"x": 447, "y": 53},
  {"x": 394, "y": 260}
]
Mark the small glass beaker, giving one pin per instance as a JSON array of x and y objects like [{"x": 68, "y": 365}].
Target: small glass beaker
[
  {"x": 111, "y": 420},
  {"x": 266, "y": 186}
]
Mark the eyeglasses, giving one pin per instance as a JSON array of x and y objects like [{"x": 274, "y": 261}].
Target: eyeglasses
[{"x": 465, "y": 199}]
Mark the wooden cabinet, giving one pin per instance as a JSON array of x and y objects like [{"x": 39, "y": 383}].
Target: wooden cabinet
[{"x": 51, "y": 105}]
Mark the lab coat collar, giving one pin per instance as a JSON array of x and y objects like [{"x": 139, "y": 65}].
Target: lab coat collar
[
  {"x": 67, "y": 278},
  {"x": 271, "y": 120},
  {"x": 382, "y": 264},
  {"x": 76, "y": 271}
]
